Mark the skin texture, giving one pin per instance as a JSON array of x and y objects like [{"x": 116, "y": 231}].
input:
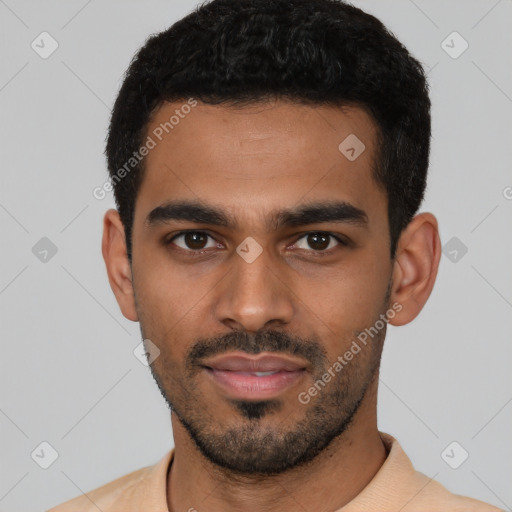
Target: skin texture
[{"x": 251, "y": 161}]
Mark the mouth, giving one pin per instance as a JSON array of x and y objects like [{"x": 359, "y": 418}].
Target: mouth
[{"x": 264, "y": 376}]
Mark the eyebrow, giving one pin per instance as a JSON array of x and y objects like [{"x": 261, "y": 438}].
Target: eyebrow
[{"x": 302, "y": 215}]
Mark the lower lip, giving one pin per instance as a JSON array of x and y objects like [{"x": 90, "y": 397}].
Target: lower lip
[{"x": 244, "y": 385}]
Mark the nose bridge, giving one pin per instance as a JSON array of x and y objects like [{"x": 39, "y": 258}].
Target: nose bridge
[{"x": 254, "y": 294}]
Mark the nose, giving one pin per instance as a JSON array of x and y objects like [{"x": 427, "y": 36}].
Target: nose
[{"x": 254, "y": 295}]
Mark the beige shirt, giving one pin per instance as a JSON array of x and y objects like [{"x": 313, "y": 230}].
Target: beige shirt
[{"x": 395, "y": 487}]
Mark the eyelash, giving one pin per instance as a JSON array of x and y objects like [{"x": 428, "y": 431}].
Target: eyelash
[{"x": 194, "y": 253}]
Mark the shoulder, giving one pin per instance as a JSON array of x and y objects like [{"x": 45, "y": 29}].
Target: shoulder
[
  {"x": 431, "y": 495},
  {"x": 144, "y": 488},
  {"x": 398, "y": 486},
  {"x": 105, "y": 496}
]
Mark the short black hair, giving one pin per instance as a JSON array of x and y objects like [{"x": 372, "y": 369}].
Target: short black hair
[{"x": 318, "y": 52}]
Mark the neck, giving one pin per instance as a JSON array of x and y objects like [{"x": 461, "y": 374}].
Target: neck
[{"x": 328, "y": 482}]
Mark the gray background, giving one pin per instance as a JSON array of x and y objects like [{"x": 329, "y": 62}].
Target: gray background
[{"x": 69, "y": 376}]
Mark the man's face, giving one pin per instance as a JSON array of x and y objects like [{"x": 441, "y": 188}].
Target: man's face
[{"x": 290, "y": 290}]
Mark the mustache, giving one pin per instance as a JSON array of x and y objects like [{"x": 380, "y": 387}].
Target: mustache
[{"x": 262, "y": 341}]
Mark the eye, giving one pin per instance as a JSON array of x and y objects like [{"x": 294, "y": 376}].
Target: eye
[
  {"x": 319, "y": 241},
  {"x": 193, "y": 241},
  {"x": 315, "y": 242}
]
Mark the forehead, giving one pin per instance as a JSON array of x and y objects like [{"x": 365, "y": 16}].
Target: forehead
[{"x": 256, "y": 159}]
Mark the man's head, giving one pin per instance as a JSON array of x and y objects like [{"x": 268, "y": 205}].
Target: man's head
[{"x": 286, "y": 150}]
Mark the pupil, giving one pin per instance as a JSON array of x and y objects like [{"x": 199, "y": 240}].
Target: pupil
[
  {"x": 193, "y": 241},
  {"x": 313, "y": 239}
]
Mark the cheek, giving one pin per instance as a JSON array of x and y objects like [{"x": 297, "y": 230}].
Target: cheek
[
  {"x": 346, "y": 298},
  {"x": 346, "y": 303},
  {"x": 173, "y": 289},
  {"x": 161, "y": 295},
  {"x": 170, "y": 312}
]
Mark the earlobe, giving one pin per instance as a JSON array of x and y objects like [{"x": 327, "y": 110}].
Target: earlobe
[
  {"x": 415, "y": 268},
  {"x": 113, "y": 248}
]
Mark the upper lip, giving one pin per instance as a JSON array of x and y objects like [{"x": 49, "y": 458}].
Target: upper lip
[{"x": 261, "y": 363}]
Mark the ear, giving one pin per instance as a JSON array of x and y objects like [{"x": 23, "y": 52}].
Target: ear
[
  {"x": 415, "y": 267},
  {"x": 113, "y": 248}
]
